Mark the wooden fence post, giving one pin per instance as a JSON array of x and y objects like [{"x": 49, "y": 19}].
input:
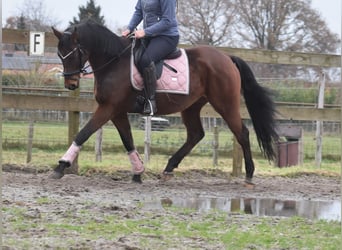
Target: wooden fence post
[
  {"x": 319, "y": 124},
  {"x": 30, "y": 142},
  {"x": 215, "y": 145},
  {"x": 98, "y": 145},
  {"x": 237, "y": 159},
  {"x": 74, "y": 123},
  {"x": 147, "y": 148}
]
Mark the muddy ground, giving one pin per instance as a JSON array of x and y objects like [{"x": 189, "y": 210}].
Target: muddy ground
[{"x": 116, "y": 193}]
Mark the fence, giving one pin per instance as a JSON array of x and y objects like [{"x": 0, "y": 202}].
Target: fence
[
  {"x": 74, "y": 104},
  {"x": 166, "y": 141},
  {"x": 63, "y": 106}
]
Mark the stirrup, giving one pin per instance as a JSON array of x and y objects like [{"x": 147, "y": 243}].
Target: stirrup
[{"x": 148, "y": 108}]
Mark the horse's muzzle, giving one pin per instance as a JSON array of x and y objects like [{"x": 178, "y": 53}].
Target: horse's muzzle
[
  {"x": 71, "y": 87},
  {"x": 71, "y": 83}
]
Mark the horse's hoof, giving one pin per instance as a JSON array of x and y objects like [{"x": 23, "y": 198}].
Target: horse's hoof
[
  {"x": 249, "y": 184},
  {"x": 58, "y": 172},
  {"x": 166, "y": 176},
  {"x": 137, "y": 178},
  {"x": 56, "y": 175}
]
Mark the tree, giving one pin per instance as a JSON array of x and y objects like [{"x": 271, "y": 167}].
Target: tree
[
  {"x": 32, "y": 16},
  {"x": 205, "y": 22},
  {"x": 290, "y": 25},
  {"x": 90, "y": 11},
  {"x": 21, "y": 25},
  {"x": 11, "y": 22}
]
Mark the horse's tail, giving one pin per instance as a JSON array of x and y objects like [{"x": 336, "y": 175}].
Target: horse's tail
[{"x": 260, "y": 107}]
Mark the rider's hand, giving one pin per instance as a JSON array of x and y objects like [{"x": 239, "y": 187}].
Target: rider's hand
[
  {"x": 139, "y": 34},
  {"x": 125, "y": 33}
]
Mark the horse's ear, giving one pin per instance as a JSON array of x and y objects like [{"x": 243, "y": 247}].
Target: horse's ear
[{"x": 57, "y": 33}]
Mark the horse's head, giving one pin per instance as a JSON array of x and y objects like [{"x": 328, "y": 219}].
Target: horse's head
[{"x": 73, "y": 57}]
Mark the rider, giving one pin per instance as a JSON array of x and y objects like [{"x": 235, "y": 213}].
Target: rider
[{"x": 160, "y": 31}]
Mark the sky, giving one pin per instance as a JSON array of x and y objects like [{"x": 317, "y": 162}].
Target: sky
[{"x": 117, "y": 13}]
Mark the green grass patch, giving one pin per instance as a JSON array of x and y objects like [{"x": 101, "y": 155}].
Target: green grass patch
[
  {"x": 172, "y": 229},
  {"x": 50, "y": 144},
  {"x": 53, "y": 136},
  {"x": 289, "y": 233},
  {"x": 118, "y": 162}
]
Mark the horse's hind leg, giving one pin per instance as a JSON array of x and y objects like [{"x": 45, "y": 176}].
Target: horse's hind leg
[
  {"x": 124, "y": 128},
  {"x": 241, "y": 134},
  {"x": 192, "y": 121},
  {"x": 230, "y": 112},
  {"x": 243, "y": 139}
]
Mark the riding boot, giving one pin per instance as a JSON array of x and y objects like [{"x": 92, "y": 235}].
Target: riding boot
[{"x": 150, "y": 82}]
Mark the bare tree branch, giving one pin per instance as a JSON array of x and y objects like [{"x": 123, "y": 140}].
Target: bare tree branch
[
  {"x": 205, "y": 22},
  {"x": 32, "y": 15},
  {"x": 283, "y": 25}
]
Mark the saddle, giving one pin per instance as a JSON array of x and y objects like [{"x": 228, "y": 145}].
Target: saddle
[
  {"x": 139, "y": 49},
  {"x": 172, "y": 72}
]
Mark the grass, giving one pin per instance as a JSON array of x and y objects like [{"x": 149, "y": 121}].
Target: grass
[
  {"x": 118, "y": 161},
  {"x": 53, "y": 136},
  {"x": 170, "y": 229},
  {"x": 50, "y": 143},
  {"x": 290, "y": 233},
  {"x": 327, "y": 168}
]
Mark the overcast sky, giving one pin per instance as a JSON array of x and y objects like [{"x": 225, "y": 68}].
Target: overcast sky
[{"x": 118, "y": 12}]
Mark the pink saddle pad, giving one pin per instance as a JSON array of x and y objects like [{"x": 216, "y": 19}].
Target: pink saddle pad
[{"x": 170, "y": 81}]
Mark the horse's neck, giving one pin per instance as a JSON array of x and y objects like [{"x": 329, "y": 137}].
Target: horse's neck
[
  {"x": 99, "y": 59},
  {"x": 96, "y": 60}
]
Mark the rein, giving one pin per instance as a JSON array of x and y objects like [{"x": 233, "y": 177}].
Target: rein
[{"x": 83, "y": 69}]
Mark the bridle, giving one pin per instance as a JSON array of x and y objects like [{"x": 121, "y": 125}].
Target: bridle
[{"x": 83, "y": 69}]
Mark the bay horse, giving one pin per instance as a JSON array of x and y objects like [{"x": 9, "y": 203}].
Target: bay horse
[{"x": 215, "y": 78}]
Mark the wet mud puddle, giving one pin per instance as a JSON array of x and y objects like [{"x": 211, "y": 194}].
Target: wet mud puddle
[{"x": 320, "y": 210}]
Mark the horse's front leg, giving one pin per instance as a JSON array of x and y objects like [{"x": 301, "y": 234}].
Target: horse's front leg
[
  {"x": 124, "y": 128},
  {"x": 100, "y": 117}
]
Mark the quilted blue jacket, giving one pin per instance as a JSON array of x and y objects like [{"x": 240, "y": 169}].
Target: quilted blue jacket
[{"x": 158, "y": 16}]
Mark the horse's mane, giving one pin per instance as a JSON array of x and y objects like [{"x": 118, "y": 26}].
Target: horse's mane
[{"x": 97, "y": 37}]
